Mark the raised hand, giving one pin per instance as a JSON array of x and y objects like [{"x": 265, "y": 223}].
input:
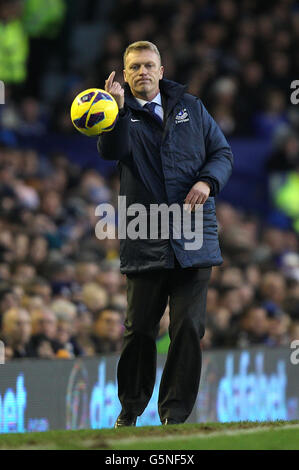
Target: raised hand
[{"x": 115, "y": 89}]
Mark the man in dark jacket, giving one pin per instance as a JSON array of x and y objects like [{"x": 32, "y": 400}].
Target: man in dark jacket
[{"x": 169, "y": 151}]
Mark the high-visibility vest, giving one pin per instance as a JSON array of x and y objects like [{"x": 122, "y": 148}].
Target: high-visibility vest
[
  {"x": 13, "y": 52},
  {"x": 287, "y": 198},
  {"x": 43, "y": 17}
]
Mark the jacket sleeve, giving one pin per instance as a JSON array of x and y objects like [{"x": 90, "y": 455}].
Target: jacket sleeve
[
  {"x": 219, "y": 157},
  {"x": 115, "y": 144}
]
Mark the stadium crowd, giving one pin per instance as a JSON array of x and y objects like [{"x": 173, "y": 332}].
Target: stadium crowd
[
  {"x": 238, "y": 56},
  {"x": 61, "y": 292}
]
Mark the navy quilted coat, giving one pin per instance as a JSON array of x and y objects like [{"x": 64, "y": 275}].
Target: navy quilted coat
[{"x": 159, "y": 164}]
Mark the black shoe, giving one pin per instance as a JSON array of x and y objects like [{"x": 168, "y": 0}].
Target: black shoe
[
  {"x": 125, "y": 419},
  {"x": 168, "y": 421}
]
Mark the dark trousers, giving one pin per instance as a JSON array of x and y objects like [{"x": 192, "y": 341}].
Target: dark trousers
[{"x": 148, "y": 294}]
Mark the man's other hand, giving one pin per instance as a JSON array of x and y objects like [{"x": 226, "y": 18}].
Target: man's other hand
[
  {"x": 198, "y": 194},
  {"x": 115, "y": 89}
]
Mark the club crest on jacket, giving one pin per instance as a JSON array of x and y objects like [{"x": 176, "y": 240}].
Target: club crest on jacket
[{"x": 182, "y": 116}]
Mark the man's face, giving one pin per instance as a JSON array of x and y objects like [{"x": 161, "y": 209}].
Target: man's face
[
  {"x": 48, "y": 324},
  {"x": 258, "y": 321},
  {"x": 9, "y": 301},
  {"x": 110, "y": 280},
  {"x": 64, "y": 332},
  {"x": 19, "y": 328},
  {"x": 143, "y": 72},
  {"x": 109, "y": 325}
]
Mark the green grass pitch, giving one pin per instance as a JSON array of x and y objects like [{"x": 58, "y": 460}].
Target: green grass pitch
[{"x": 278, "y": 435}]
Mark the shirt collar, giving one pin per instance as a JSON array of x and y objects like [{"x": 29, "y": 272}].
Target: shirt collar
[{"x": 157, "y": 100}]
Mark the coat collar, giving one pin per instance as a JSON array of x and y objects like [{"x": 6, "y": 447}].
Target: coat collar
[
  {"x": 171, "y": 92},
  {"x": 157, "y": 100}
]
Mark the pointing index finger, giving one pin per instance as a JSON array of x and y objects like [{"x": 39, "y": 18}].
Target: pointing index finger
[{"x": 110, "y": 78}]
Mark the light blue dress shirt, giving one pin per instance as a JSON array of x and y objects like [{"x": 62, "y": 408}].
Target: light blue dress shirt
[{"x": 158, "y": 109}]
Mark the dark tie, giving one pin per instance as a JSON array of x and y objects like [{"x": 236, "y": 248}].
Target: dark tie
[{"x": 151, "y": 108}]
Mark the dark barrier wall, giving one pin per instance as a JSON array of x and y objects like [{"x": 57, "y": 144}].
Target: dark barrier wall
[{"x": 245, "y": 385}]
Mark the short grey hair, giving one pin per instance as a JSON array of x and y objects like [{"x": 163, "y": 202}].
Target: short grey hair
[{"x": 139, "y": 46}]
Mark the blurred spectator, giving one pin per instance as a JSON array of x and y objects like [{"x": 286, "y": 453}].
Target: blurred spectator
[
  {"x": 44, "y": 322},
  {"x": 108, "y": 330},
  {"x": 273, "y": 288},
  {"x": 220, "y": 329},
  {"x": 40, "y": 287},
  {"x": 23, "y": 273},
  {"x": 231, "y": 299},
  {"x": 291, "y": 303},
  {"x": 41, "y": 347},
  {"x": 286, "y": 154},
  {"x": 16, "y": 329},
  {"x": 32, "y": 122},
  {"x": 294, "y": 332},
  {"x": 273, "y": 115},
  {"x": 278, "y": 330},
  {"x": 94, "y": 297},
  {"x": 43, "y": 342},
  {"x": 8, "y": 299},
  {"x": 255, "y": 327},
  {"x": 84, "y": 331},
  {"x": 64, "y": 336},
  {"x": 110, "y": 279},
  {"x": 86, "y": 272},
  {"x": 224, "y": 93},
  {"x": 64, "y": 310},
  {"x": 252, "y": 90},
  {"x": 13, "y": 42},
  {"x": 43, "y": 20}
]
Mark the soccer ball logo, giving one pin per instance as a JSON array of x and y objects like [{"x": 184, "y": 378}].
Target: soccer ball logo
[{"x": 94, "y": 111}]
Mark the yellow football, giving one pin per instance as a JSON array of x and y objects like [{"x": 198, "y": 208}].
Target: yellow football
[{"x": 94, "y": 111}]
